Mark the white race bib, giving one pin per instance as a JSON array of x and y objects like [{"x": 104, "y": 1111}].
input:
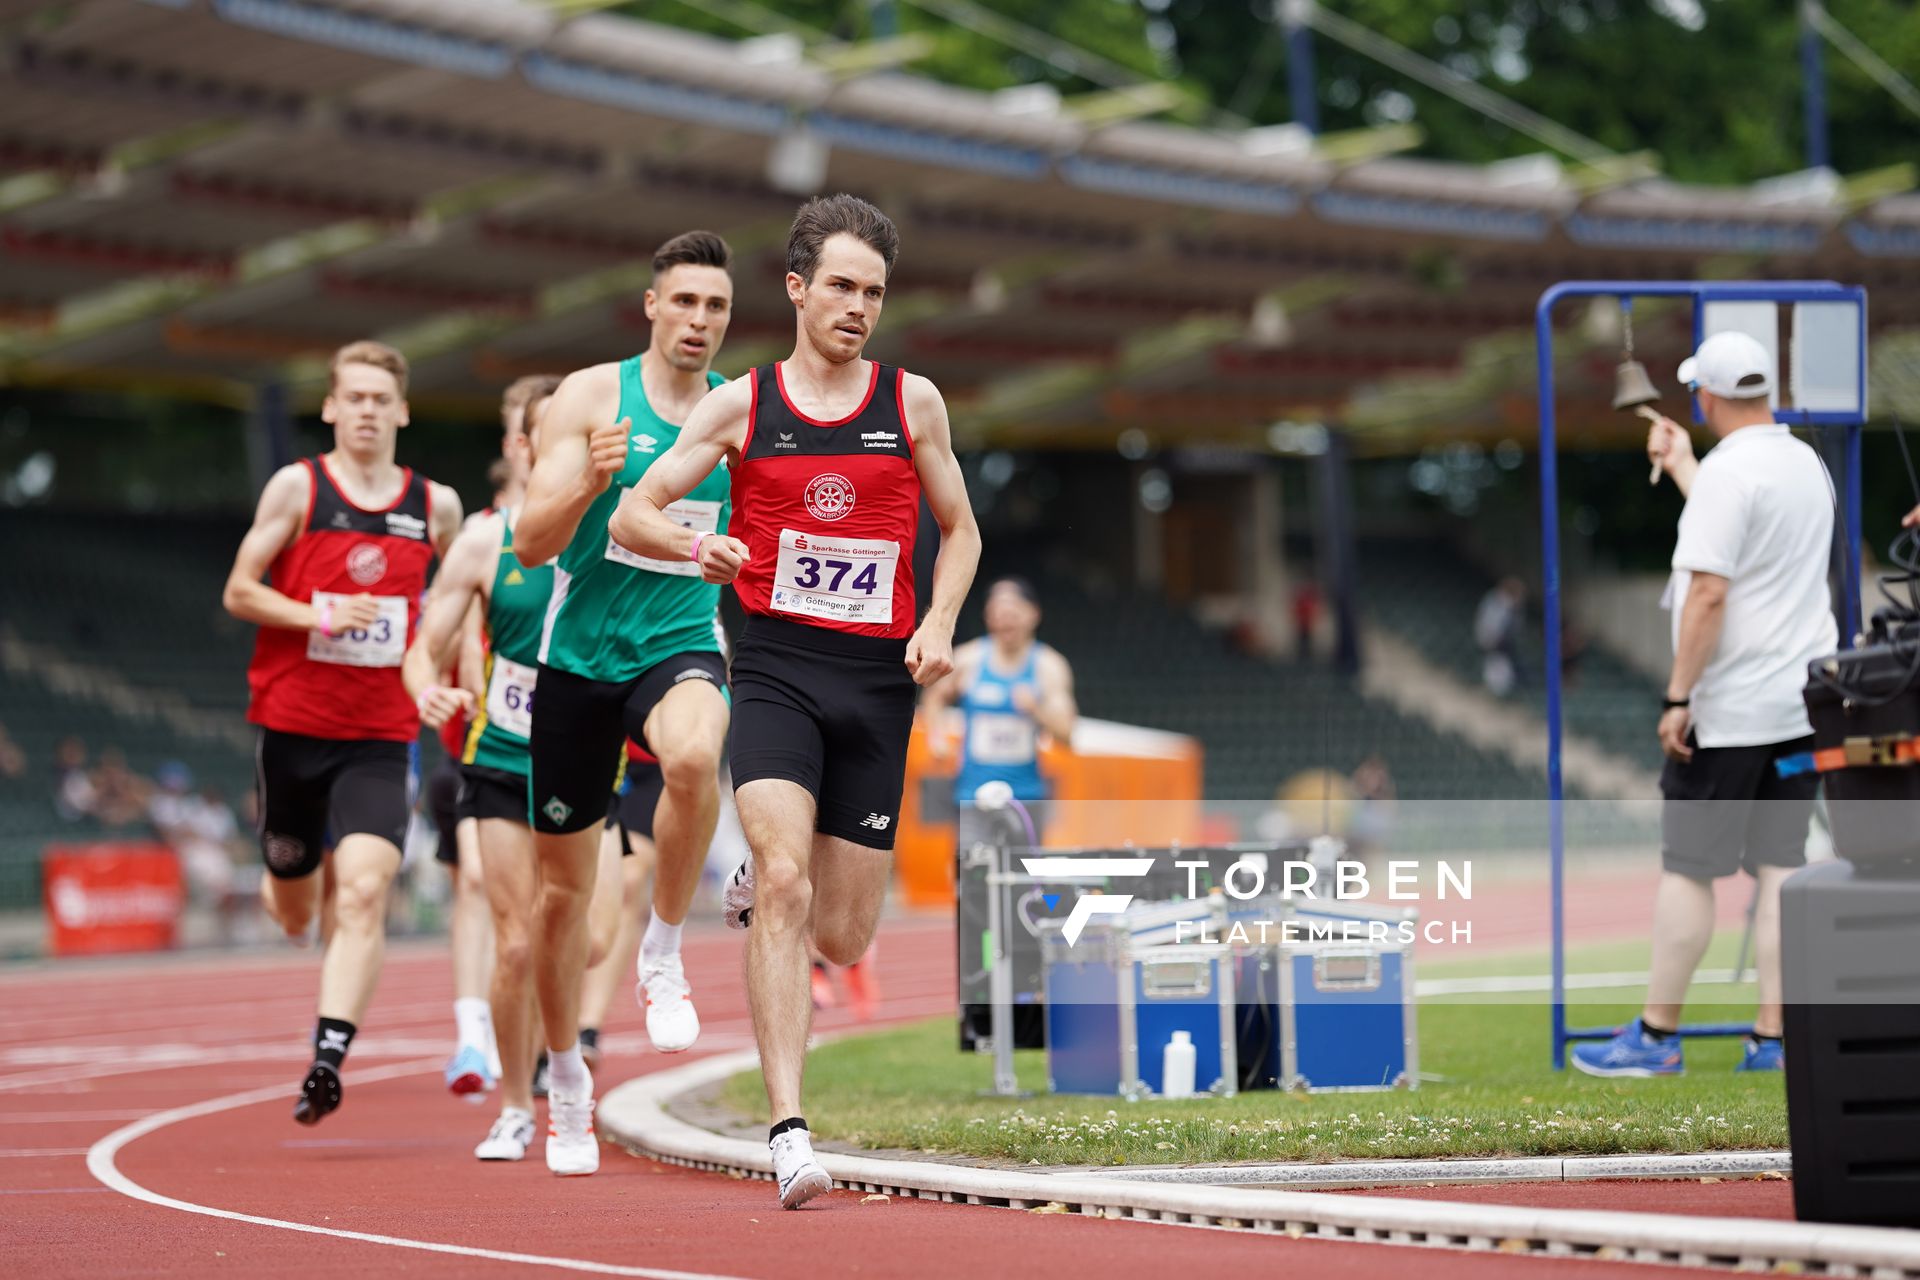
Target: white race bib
[
  {"x": 510, "y": 696},
  {"x": 696, "y": 514},
  {"x": 383, "y": 644},
  {"x": 838, "y": 579},
  {"x": 997, "y": 738}
]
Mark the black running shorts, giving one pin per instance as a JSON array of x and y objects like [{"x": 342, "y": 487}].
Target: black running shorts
[
  {"x": 830, "y": 712},
  {"x": 1727, "y": 808},
  {"x": 492, "y": 793},
  {"x": 633, "y": 808},
  {"x": 580, "y": 732},
  {"x": 311, "y": 788},
  {"x": 443, "y": 802}
]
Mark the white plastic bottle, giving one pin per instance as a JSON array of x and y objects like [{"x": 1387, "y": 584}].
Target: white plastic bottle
[{"x": 1176, "y": 1067}]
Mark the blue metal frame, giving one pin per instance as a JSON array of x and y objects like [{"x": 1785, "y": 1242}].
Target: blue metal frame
[{"x": 1701, "y": 292}]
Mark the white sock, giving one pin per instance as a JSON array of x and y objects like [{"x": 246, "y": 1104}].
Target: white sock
[
  {"x": 660, "y": 941},
  {"x": 567, "y": 1074},
  {"x": 473, "y": 1018}
]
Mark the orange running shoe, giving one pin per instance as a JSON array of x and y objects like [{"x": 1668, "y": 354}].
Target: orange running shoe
[
  {"x": 863, "y": 986},
  {"x": 823, "y": 997}
]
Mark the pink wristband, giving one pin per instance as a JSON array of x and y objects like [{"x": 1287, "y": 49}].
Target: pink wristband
[
  {"x": 326, "y": 619},
  {"x": 694, "y": 555}
]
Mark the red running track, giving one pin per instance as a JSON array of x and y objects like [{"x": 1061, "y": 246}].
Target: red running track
[{"x": 88, "y": 1049}]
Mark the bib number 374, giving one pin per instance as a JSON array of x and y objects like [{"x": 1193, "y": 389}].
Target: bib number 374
[{"x": 836, "y": 579}]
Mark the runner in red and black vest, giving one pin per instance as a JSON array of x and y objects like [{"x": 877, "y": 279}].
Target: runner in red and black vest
[
  {"x": 830, "y": 455},
  {"x": 345, "y": 541}
]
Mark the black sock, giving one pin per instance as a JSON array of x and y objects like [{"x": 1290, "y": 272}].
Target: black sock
[
  {"x": 820, "y": 965},
  {"x": 589, "y": 1037},
  {"x": 1658, "y": 1033},
  {"x": 1760, "y": 1039},
  {"x": 795, "y": 1123},
  {"x": 331, "y": 1037}
]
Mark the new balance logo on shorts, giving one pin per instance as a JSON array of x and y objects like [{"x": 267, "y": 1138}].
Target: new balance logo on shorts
[{"x": 878, "y": 821}]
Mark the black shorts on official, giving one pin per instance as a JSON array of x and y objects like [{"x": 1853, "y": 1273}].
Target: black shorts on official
[
  {"x": 580, "y": 732},
  {"x": 830, "y": 712},
  {"x": 632, "y": 810},
  {"x": 1727, "y": 808},
  {"x": 311, "y": 788},
  {"x": 492, "y": 793},
  {"x": 443, "y": 803}
]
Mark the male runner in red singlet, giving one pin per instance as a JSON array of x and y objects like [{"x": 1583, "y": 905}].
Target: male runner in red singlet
[
  {"x": 830, "y": 455},
  {"x": 345, "y": 539}
]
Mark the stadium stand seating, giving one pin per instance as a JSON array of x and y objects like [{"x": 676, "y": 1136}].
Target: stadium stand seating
[{"x": 1428, "y": 593}]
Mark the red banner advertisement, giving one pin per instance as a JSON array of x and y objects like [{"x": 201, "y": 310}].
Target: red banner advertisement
[{"x": 110, "y": 897}]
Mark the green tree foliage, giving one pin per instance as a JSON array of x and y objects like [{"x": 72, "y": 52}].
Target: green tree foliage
[{"x": 1713, "y": 86}]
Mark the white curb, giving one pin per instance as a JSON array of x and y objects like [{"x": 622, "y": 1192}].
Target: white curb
[
  {"x": 1387, "y": 1173},
  {"x": 634, "y": 1116}
]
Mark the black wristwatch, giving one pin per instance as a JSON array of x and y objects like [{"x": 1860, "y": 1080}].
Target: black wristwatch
[{"x": 1672, "y": 704}]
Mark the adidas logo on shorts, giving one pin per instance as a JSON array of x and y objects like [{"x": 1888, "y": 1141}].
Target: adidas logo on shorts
[{"x": 878, "y": 821}]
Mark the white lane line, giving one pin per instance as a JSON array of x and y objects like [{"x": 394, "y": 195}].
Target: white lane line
[
  {"x": 39, "y": 1153},
  {"x": 101, "y": 1163}
]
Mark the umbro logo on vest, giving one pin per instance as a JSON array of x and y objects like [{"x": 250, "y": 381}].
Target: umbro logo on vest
[
  {"x": 644, "y": 444},
  {"x": 401, "y": 525}
]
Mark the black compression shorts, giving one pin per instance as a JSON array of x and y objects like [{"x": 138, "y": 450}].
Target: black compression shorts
[
  {"x": 580, "y": 728},
  {"x": 492, "y": 793},
  {"x": 311, "y": 788},
  {"x": 830, "y": 712},
  {"x": 443, "y": 802},
  {"x": 633, "y": 808}
]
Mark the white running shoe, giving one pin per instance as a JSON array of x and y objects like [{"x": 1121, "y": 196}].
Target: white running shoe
[
  {"x": 672, "y": 1023},
  {"x": 738, "y": 898},
  {"x": 572, "y": 1150},
  {"x": 509, "y": 1138},
  {"x": 798, "y": 1174}
]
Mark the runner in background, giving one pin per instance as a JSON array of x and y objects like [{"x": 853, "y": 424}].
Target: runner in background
[{"x": 345, "y": 540}]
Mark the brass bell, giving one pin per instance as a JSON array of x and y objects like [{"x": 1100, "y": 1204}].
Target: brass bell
[{"x": 1632, "y": 387}]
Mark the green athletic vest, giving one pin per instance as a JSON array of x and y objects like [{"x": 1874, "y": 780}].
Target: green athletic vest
[
  {"x": 615, "y": 614},
  {"x": 516, "y": 610}
]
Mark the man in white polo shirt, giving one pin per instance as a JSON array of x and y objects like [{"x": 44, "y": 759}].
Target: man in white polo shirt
[{"x": 1750, "y": 611}]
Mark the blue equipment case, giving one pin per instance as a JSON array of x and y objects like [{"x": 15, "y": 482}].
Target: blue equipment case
[
  {"x": 1329, "y": 1015},
  {"x": 1112, "y": 1006}
]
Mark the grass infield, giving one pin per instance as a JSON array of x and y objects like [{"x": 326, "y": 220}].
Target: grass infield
[{"x": 910, "y": 1088}]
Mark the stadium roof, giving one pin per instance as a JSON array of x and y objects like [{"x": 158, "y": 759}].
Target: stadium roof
[{"x": 206, "y": 195}]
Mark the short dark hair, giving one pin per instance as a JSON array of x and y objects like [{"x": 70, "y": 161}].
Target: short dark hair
[
  {"x": 823, "y": 217},
  {"x": 692, "y": 249},
  {"x": 1022, "y": 587}
]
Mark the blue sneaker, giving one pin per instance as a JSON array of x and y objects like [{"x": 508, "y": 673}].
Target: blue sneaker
[
  {"x": 1631, "y": 1053},
  {"x": 467, "y": 1072},
  {"x": 1763, "y": 1055}
]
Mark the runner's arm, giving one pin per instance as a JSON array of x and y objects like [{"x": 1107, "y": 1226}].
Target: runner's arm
[
  {"x": 444, "y": 522},
  {"x": 717, "y": 428},
  {"x": 276, "y": 523},
  {"x": 930, "y": 652},
  {"x": 436, "y": 644},
  {"x": 1057, "y": 711},
  {"x": 581, "y": 450}
]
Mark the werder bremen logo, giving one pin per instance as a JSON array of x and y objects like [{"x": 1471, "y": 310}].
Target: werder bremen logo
[{"x": 557, "y": 810}]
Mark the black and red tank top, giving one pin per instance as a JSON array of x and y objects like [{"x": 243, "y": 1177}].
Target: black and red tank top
[
  {"x": 828, "y": 510},
  {"x": 346, "y": 686}
]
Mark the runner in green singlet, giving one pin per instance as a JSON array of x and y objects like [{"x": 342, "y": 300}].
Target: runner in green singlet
[
  {"x": 631, "y": 649},
  {"x": 483, "y": 579}
]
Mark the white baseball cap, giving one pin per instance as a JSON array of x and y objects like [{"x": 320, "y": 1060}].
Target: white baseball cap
[{"x": 1732, "y": 365}]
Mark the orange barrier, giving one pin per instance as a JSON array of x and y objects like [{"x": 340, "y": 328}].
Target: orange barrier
[
  {"x": 1119, "y": 785},
  {"x": 110, "y": 897}
]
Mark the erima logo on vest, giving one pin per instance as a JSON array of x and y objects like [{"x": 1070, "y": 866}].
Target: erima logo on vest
[
  {"x": 785, "y": 441},
  {"x": 401, "y": 525}
]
